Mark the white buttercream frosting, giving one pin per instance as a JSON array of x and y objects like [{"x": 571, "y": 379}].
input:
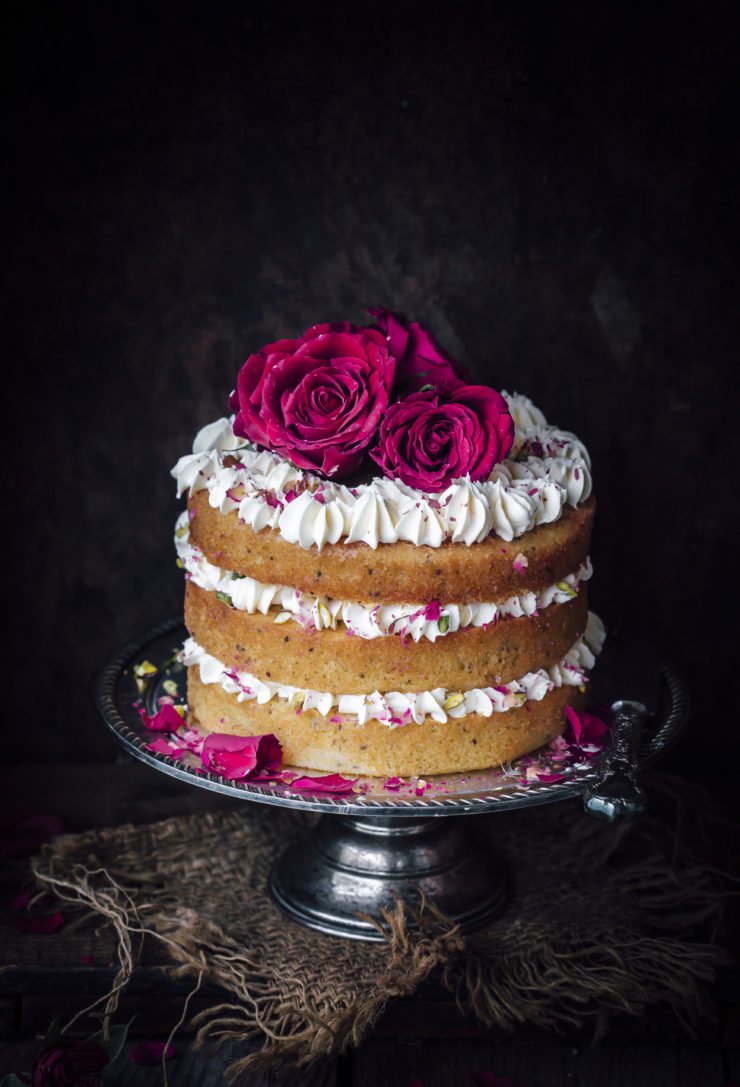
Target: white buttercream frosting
[
  {"x": 547, "y": 470},
  {"x": 523, "y": 411},
  {"x": 396, "y": 708},
  {"x": 416, "y": 621}
]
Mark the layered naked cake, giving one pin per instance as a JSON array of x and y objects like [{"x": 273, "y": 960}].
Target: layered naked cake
[{"x": 416, "y": 604}]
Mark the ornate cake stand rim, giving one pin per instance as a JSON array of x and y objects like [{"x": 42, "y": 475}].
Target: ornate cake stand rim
[{"x": 413, "y": 807}]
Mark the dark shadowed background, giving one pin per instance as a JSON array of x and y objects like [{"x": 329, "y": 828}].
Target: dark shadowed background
[{"x": 550, "y": 190}]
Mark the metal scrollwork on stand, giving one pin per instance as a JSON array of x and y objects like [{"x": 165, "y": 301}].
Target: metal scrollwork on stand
[{"x": 616, "y": 793}]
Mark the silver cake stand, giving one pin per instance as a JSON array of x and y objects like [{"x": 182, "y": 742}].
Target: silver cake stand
[{"x": 376, "y": 844}]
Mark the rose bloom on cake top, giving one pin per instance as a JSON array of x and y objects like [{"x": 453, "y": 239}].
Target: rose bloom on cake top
[{"x": 386, "y": 564}]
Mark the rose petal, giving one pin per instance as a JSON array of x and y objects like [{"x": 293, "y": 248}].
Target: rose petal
[
  {"x": 393, "y": 784},
  {"x": 587, "y": 728},
  {"x": 22, "y": 833},
  {"x": 231, "y": 764},
  {"x": 329, "y": 783},
  {"x": 151, "y": 1053},
  {"x": 165, "y": 747},
  {"x": 238, "y": 756},
  {"x": 46, "y": 924},
  {"x": 166, "y": 719}
]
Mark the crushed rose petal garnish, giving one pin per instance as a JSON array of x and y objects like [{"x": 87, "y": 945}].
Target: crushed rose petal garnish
[
  {"x": 521, "y": 562},
  {"x": 393, "y": 784}
]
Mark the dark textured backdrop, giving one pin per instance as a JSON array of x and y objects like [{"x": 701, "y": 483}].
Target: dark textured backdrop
[{"x": 549, "y": 189}]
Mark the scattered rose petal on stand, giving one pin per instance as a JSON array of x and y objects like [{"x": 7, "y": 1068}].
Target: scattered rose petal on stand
[
  {"x": 166, "y": 719},
  {"x": 166, "y": 747},
  {"x": 587, "y": 727},
  {"x": 151, "y": 1053},
  {"x": 238, "y": 756},
  {"x": 393, "y": 784},
  {"x": 329, "y": 783}
]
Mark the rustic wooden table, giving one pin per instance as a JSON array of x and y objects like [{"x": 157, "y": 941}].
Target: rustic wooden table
[{"x": 422, "y": 1039}]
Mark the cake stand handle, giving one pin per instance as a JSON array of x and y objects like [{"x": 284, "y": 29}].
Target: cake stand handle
[{"x": 616, "y": 793}]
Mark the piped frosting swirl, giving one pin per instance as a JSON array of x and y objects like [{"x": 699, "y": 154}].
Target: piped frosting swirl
[
  {"x": 397, "y": 708},
  {"x": 416, "y": 621},
  {"x": 549, "y": 469}
]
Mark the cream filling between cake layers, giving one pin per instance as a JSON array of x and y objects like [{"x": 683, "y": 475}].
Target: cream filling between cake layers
[
  {"x": 547, "y": 470},
  {"x": 417, "y": 621},
  {"x": 396, "y": 708}
]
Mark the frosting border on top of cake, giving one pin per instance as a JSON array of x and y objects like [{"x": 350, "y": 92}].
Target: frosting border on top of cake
[
  {"x": 547, "y": 470},
  {"x": 398, "y": 708},
  {"x": 370, "y": 621}
]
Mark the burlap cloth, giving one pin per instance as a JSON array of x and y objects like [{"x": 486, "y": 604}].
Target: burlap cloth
[{"x": 603, "y": 919}]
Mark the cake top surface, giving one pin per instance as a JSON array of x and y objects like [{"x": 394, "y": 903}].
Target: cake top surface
[{"x": 374, "y": 435}]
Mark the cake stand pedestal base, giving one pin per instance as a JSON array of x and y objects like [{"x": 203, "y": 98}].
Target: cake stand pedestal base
[{"x": 364, "y": 863}]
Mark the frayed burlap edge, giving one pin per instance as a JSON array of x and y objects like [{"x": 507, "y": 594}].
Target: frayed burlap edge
[{"x": 630, "y": 948}]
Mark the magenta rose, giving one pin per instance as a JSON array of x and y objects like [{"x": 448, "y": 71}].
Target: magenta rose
[
  {"x": 70, "y": 1064},
  {"x": 318, "y": 399},
  {"x": 419, "y": 359},
  {"x": 429, "y": 438}
]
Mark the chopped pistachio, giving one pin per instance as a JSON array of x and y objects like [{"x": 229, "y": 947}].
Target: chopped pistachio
[
  {"x": 179, "y": 563},
  {"x": 182, "y": 531},
  {"x": 454, "y": 700},
  {"x": 565, "y": 588},
  {"x": 298, "y": 698},
  {"x": 237, "y": 577},
  {"x": 181, "y": 710},
  {"x": 144, "y": 668},
  {"x": 443, "y": 623},
  {"x": 282, "y": 617},
  {"x": 143, "y": 671},
  {"x": 169, "y": 687},
  {"x": 224, "y": 598}
]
